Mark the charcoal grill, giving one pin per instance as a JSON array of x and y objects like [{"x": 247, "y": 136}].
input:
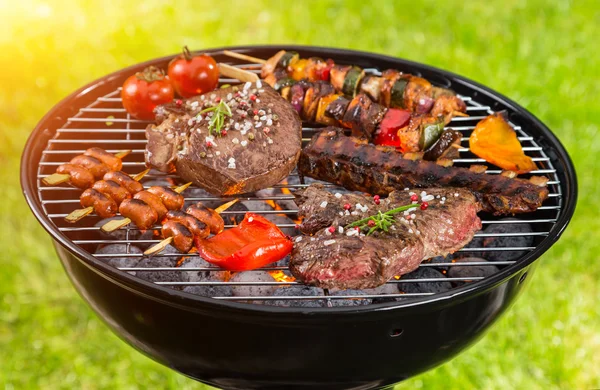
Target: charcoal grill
[{"x": 226, "y": 341}]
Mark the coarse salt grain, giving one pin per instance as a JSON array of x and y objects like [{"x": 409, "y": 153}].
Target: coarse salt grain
[
  {"x": 231, "y": 160},
  {"x": 250, "y": 219},
  {"x": 428, "y": 198},
  {"x": 456, "y": 194},
  {"x": 258, "y": 84},
  {"x": 247, "y": 85},
  {"x": 298, "y": 239},
  {"x": 341, "y": 213},
  {"x": 340, "y": 229},
  {"x": 328, "y": 242},
  {"x": 338, "y": 195},
  {"x": 406, "y": 189},
  {"x": 217, "y": 153},
  {"x": 269, "y": 140},
  {"x": 324, "y": 204},
  {"x": 235, "y": 141},
  {"x": 410, "y": 230},
  {"x": 244, "y": 143}
]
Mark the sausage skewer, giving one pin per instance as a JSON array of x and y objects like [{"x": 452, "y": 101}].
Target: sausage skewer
[
  {"x": 151, "y": 205},
  {"x": 82, "y": 170},
  {"x": 115, "y": 186},
  {"x": 176, "y": 227}
]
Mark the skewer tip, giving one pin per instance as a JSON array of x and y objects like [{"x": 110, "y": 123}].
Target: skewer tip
[
  {"x": 158, "y": 247},
  {"x": 78, "y": 214},
  {"x": 225, "y": 206},
  {"x": 56, "y": 178},
  {"x": 115, "y": 224},
  {"x": 139, "y": 176}
]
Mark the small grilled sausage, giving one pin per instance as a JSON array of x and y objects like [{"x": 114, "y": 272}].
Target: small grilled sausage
[
  {"x": 124, "y": 180},
  {"x": 103, "y": 205},
  {"x": 153, "y": 201},
  {"x": 112, "y": 162},
  {"x": 208, "y": 216},
  {"x": 112, "y": 190},
  {"x": 80, "y": 177},
  {"x": 183, "y": 239},
  {"x": 95, "y": 166},
  {"x": 197, "y": 227},
  {"x": 140, "y": 213},
  {"x": 171, "y": 199}
]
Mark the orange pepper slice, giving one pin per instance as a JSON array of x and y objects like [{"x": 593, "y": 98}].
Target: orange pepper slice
[{"x": 495, "y": 141}]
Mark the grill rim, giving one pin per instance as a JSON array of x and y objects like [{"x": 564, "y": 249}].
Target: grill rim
[{"x": 34, "y": 147}]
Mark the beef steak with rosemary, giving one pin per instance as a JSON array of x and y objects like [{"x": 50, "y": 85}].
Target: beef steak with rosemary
[
  {"x": 337, "y": 255},
  {"x": 356, "y": 165},
  {"x": 232, "y": 140}
]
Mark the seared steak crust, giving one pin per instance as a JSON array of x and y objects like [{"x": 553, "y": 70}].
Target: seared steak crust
[
  {"x": 344, "y": 261},
  {"x": 356, "y": 165},
  {"x": 261, "y": 146}
]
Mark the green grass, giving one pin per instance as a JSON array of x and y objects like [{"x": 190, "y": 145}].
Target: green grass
[{"x": 543, "y": 55}]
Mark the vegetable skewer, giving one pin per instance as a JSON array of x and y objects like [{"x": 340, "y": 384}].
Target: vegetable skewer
[
  {"x": 392, "y": 89},
  {"x": 82, "y": 170}
]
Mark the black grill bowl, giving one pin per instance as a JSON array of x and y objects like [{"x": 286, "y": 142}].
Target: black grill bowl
[{"x": 243, "y": 346}]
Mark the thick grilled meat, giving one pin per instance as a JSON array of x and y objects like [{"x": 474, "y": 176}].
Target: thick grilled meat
[
  {"x": 356, "y": 165},
  {"x": 259, "y": 148},
  {"x": 348, "y": 260}
]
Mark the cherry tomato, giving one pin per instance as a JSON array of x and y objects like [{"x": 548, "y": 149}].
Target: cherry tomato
[
  {"x": 193, "y": 75},
  {"x": 145, "y": 90}
]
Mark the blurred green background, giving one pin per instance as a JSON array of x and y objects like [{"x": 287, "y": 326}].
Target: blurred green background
[{"x": 544, "y": 55}]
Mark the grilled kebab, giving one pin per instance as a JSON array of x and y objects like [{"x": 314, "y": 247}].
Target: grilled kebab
[
  {"x": 356, "y": 165},
  {"x": 392, "y": 89}
]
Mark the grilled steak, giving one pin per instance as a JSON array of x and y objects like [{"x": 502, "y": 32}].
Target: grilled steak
[
  {"x": 357, "y": 261},
  {"x": 357, "y": 165},
  {"x": 259, "y": 148}
]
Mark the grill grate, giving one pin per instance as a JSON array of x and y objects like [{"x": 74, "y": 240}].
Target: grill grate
[{"x": 107, "y": 125}]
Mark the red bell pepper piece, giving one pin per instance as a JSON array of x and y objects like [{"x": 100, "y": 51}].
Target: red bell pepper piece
[
  {"x": 324, "y": 72},
  {"x": 255, "y": 242},
  {"x": 393, "y": 120}
]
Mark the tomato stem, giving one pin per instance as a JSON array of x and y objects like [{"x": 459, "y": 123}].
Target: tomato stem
[
  {"x": 150, "y": 74},
  {"x": 187, "y": 54}
]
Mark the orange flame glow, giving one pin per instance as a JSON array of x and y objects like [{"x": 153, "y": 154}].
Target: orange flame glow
[{"x": 280, "y": 276}]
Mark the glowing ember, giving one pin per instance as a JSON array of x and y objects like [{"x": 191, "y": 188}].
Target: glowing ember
[
  {"x": 397, "y": 277},
  {"x": 280, "y": 276}
]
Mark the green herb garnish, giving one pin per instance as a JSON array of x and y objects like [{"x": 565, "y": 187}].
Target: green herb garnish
[
  {"x": 380, "y": 221},
  {"x": 216, "y": 122}
]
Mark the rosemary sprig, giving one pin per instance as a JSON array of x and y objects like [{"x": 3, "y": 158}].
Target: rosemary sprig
[
  {"x": 220, "y": 111},
  {"x": 382, "y": 221}
]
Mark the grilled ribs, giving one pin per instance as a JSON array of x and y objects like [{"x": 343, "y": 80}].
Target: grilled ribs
[
  {"x": 345, "y": 259},
  {"x": 356, "y": 165}
]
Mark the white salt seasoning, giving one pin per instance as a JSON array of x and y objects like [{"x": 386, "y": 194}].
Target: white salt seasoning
[
  {"x": 298, "y": 239},
  {"x": 328, "y": 242},
  {"x": 244, "y": 143},
  {"x": 324, "y": 204},
  {"x": 250, "y": 219},
  {"x": 258, "y": 84},
  {"x": 338, "y": 195}
]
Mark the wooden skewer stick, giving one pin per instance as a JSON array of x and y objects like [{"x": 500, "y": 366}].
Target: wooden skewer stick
[
  {"x": 237, "y": 73},
  {"x": 244, "y": 57},
  {"x": 163, "y": 244},
  {"x": 59, "y": 178},
  {"x": 56, "y": 178},
  {"x": 115, "y": 224},
  {"x": 78, "y": 214},
  {"x": 158, "y": 247}
]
